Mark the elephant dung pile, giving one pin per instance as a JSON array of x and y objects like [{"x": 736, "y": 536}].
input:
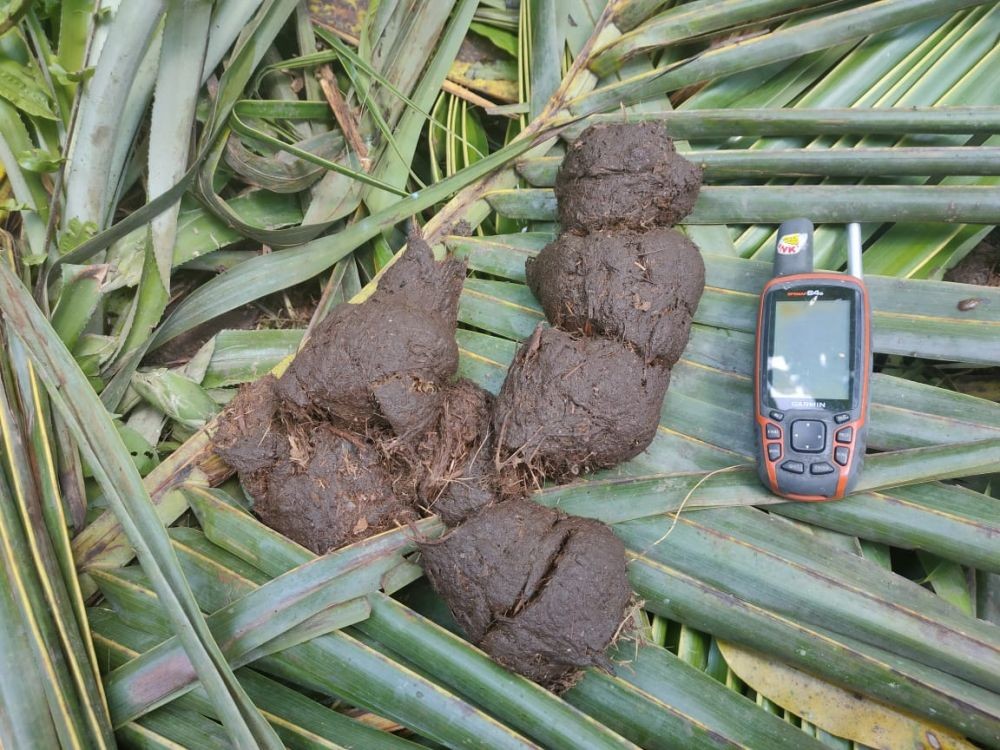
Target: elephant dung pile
[{"x": 369, "y": 425}]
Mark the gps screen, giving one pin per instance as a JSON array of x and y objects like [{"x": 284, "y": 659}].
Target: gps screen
[{"x": 810, "y": 353}]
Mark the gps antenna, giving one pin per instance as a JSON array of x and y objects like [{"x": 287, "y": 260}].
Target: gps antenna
[
  {"x": 793, "y": 251},
  {"x": 854, "y": 250}
]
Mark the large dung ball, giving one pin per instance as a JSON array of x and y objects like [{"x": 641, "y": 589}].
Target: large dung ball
[
  {"x": 313, "y": 483},
  {"x": 388, "y": 358},
  {"x": 981, "y": 266},
  {"x": 542, "y": 593},
  {"x": 366, "y": 362},
  {"x": 332, "y": 490},
  {"x": 625, "y": 175},
  {"x": 571, "y": 404},
  {"x": 639, "y": 287}
]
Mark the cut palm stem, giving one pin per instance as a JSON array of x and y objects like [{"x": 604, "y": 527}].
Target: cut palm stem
[
  {"x": 824, "y": 203},
  {"x": 860, "y": 162}
]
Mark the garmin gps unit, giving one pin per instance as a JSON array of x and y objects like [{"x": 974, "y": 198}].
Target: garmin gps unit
[{"x": 812, "y": 371}]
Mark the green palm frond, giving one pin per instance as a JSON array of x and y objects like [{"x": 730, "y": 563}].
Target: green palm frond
[{"x": 194, "y": 132}]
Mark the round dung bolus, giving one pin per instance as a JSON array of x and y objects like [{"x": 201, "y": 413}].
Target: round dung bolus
[
  {"x": 388, "y": 358},
  {"x": 639, "y": 287},
  {"x": 625, "y": 175},
  {"x": 332, "y": 490},
  {"x": 571, "y": 404},
  {"x": 542, "y": 593}
]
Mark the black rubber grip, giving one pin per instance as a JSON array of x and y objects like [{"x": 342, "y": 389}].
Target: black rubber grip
[{"x": 793, "y": 250}]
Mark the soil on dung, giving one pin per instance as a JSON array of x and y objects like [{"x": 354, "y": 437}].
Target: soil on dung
[
  {"x": 246, "y": 437},
  {"x": 452, "y": 461},
  {"x": 981, "y": 266},
  {"x": 626, "y": 176},
  {"x": 638, "y": 287}
]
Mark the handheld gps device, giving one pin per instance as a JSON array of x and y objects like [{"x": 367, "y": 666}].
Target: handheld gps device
[{"x": 812, "y": 370}]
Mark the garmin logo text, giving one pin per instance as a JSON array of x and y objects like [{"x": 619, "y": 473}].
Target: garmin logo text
[{"x": 809, "y": 404}]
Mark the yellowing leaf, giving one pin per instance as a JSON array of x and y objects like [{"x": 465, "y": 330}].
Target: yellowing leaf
[
  {"x": 835, "y": 710},
  {"x": 5, "y": 194},
  {"x": 343, "y": 15},
  {"x": 482, "y": 67}
]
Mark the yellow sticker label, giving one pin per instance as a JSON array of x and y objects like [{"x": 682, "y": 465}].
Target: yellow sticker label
[{"x": 791, "y": 244}]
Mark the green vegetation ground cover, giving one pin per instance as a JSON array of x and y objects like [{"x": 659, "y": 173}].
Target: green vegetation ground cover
[{"x": 168, "y": 163}]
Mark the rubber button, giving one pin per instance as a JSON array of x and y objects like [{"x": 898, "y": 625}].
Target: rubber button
[
  {"x": 841, "y": 418},
  {"x": 840, "y": 455},
  {"x": 808, "y": 436},
  {"x": 774, "y": 451},
  {"x": 845, "y": 435},
  {"x": 777, "y": 416},
  {"x": 794, "y": 467},
  {"x": 772, "y": 432},
  {"x": 821, "y": 468}
]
